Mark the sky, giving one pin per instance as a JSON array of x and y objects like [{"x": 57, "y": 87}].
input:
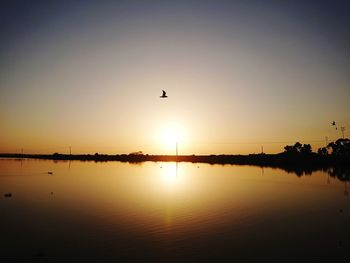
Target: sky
[{"x": 239, "y": 75}]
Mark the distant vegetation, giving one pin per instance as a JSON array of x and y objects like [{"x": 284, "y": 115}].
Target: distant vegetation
[{"x": 339, "y": 148}]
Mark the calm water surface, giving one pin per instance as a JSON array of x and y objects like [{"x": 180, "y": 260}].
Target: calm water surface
[{"x": 119, "y": 212}]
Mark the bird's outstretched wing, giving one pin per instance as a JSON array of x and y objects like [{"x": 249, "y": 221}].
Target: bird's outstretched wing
[{"x": 164, "y": 93}]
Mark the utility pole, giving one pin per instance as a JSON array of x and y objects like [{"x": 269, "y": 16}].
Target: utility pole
[
  {"x": 70, "y": 150},
  {"x": 176, "y": 149},
  {"x": 342, "y": 130},
  {"x": 262, "y": 149},
  {"x": 326, "y": 138},
  {"x": 22, "y": 151}
]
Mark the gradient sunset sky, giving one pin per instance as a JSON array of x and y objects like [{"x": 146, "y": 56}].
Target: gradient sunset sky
[{"x": 239, "y": 75}]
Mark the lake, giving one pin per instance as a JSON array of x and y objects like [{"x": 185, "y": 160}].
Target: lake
[{"x": 72, "y": 211}]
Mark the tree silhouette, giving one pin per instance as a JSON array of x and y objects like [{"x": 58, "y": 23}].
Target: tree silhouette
[
  {"x": 298, "y": 148},
  {"x": 340, "y": 147},
  {"x": 306, "y": 149},
  {"x": 322, "y": 151}
]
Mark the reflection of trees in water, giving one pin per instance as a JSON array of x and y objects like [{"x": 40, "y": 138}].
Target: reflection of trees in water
[
  {"x": 299, "y": 170},
  {"x": 342, "y": 173}
]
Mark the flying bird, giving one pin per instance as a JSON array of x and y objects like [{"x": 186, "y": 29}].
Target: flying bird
[
  {"x": 334, "y": 124},
  {"x": 164, "y": 94}
]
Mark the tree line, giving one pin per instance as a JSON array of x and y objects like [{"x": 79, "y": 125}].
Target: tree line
[{"x": 340, "y": 147}]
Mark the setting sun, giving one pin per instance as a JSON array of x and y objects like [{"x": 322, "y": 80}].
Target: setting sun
[{"x": 169, "y": 138}]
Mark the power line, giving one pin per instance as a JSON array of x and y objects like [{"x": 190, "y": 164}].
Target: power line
[{"x": 262, "y": 143}]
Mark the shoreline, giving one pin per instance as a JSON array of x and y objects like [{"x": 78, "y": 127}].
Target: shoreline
[
  {"x": 300, "y": 164},
  {"x": 251, "y": 159}
]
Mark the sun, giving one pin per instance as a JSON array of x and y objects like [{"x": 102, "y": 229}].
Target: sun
[{"x": 170, "y": 137}]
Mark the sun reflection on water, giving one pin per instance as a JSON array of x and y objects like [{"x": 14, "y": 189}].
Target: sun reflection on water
[{"x": 169, "y": 173}]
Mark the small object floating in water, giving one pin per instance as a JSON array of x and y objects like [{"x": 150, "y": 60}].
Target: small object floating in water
[
  {"x": 51, "y": 193},
  {"x": 163, "y": 94},
  {"x": 49, "y": 172},
  {"x": 8, "y": 195},
  {"x": 340, "y": 210}
]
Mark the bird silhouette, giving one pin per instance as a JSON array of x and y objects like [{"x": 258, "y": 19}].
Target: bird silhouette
[
  {"x": 164, "y": 94},
  {"x": 334, "y": 124}
]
